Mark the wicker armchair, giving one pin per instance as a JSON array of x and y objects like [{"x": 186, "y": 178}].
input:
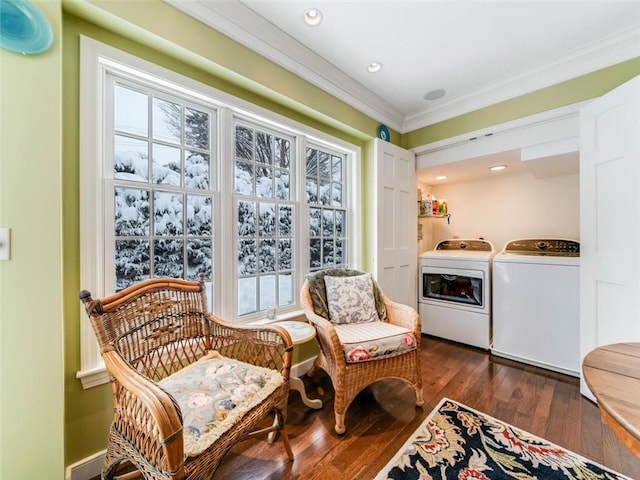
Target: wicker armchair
[
  {"x": 350, "y": 378},
  {"x": 152, "y": 332}
]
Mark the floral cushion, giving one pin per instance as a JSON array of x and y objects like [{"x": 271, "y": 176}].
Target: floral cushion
[
  {"x": 214, "y": 393},
  {"x": 350, "y": 299},
  {"x": 362, "y": 342}
]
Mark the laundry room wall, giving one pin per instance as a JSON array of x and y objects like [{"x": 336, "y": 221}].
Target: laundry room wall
[{"x": 505, "y": 207}]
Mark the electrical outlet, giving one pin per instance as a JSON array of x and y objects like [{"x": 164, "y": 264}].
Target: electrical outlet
[{"x": 5, "y": 244}]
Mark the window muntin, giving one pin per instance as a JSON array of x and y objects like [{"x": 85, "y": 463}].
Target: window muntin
[
  {"x": 325, "y": 188},
  {"x": 161, "y": 178}
]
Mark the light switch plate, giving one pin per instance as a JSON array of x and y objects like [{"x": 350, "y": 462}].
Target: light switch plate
[{"x": 5, "y": 244}]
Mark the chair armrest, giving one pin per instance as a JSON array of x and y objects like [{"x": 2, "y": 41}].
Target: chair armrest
[
  {"x": 268, "y": 346},
  {"x": 325, "y": 332},
  {"x": 155, "y": 428},
  {"x": 404, "y": 316}
]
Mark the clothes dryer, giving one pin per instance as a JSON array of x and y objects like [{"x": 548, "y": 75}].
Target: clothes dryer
[{"x": 454, "y": 298}]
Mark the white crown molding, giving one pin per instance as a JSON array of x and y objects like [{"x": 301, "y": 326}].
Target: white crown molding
[
  {"x": 595, "y": 56},
  {"x": 243, "y": 25}
]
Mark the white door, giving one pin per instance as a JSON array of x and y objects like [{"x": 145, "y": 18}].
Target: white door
[
  {"x": 395, "y": 218},
  {"x": 609, "y": 220}
]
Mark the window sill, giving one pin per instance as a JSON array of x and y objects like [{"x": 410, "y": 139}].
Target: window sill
[
  {"x": 93, "y": 377},
  {"x": 296, "y": 315}
]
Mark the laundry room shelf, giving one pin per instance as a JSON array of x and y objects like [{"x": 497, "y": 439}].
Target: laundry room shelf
[{"x": 447, "y": 216}]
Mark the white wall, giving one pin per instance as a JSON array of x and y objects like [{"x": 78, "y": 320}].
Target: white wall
[{"x": 506, "y": 207}]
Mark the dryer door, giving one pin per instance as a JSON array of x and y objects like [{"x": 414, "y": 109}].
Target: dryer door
[{"x": 459, "y": 288}]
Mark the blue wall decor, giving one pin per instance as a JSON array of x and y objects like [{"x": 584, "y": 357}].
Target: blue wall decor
[
  {"x": 383, "y": 133},
  {"x": 23, "y": 27}
]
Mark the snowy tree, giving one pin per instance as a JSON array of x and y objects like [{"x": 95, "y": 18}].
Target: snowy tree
[
  {"x": 167, "y": 213},
  {"x": 285, "y": 221},
  {"x": 285, "y": 254},
  {"x": 197, "y": 168},
  {"x": 132, "y": 262},
  {"x": 169, "y": 258},
  {"x": 199, "y": 255},
  {"x": 131, "y": 211},
  {"x": 196, "y": 128},
  {"x": 196, "y": 123}
]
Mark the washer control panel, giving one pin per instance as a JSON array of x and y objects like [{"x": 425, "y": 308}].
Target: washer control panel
[
  {"x": 471, "y": 245},
  {"x": 544, "y": 246}
]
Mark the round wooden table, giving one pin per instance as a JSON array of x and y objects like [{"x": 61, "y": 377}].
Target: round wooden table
[{"x": 612, "y": 372}]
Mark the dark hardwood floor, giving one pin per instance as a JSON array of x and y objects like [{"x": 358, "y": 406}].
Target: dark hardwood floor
[{"x": 383, "y": 416}]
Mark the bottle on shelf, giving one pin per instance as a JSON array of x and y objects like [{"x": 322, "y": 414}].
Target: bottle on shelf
[{"x": 442, "y": 211}]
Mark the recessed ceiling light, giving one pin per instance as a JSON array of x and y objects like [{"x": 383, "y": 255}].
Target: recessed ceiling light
[
  {"x": 495, "y": 168},
  {"x": 435, "y": 94},
  {"x": 313, "y": 17},
  {"x": 441, "y": 177},
  {"x": 374, "y": 67}
]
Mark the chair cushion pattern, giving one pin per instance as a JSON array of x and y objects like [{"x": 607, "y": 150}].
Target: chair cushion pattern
[
  {"x": 214, "y": 393},
  {"x": 318, "y": 291},
  {"x": 350, "y": 299},
  {"x": 362, "y": 342}
]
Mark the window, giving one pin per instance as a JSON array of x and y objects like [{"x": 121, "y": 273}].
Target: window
[
  {"x": 181, "y": 180},
  {"x": 325, "y": 182},
  {"x": 266, "y": 219},
  {"x": 160, "y": 185}
]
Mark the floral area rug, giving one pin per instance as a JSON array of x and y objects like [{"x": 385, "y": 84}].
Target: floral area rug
[{"x": 456, "y": 442}]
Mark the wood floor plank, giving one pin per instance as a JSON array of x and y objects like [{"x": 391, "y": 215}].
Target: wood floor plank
[{"x": 383, "y": 416}]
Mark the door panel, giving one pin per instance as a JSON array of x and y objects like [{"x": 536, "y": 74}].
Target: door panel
[
  {"x": 395, "y": 260},
  {"x": 610, "y": 225}
]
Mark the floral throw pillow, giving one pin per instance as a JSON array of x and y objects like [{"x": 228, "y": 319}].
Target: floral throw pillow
[{"x": 350, "y": 299}]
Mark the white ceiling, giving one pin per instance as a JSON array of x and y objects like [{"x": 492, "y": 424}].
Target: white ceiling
[{"x": 481, "y": 52}]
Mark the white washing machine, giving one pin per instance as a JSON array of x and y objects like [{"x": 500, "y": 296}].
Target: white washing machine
[
  {"x": 536, "y": 303},
  {"x": 454, "y": 297}
]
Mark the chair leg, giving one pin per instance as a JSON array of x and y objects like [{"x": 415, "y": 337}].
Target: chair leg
[
  {"x": 285, "y": 435},
  {"x": 287, "y": 444},
  {"x": 419, "y": 396},
  {"x": 339, "y": 428}
]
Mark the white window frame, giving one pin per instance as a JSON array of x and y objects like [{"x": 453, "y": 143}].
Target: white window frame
[{"x": 96, "y": 59}]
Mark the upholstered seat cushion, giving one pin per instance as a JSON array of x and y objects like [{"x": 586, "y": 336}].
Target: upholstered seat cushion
[
  {"x": 214, "y": 393},
  {"x": 362, "y": 342}
]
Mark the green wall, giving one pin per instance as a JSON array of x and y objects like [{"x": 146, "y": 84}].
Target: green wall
[
  {"x": 582, "y": 88},
  {"x": 32, "y": 281}
]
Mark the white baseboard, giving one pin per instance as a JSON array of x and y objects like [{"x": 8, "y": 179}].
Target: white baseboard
[
  {"x": 91, "y": 466},
  {"x": 86, "y": 468}
]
